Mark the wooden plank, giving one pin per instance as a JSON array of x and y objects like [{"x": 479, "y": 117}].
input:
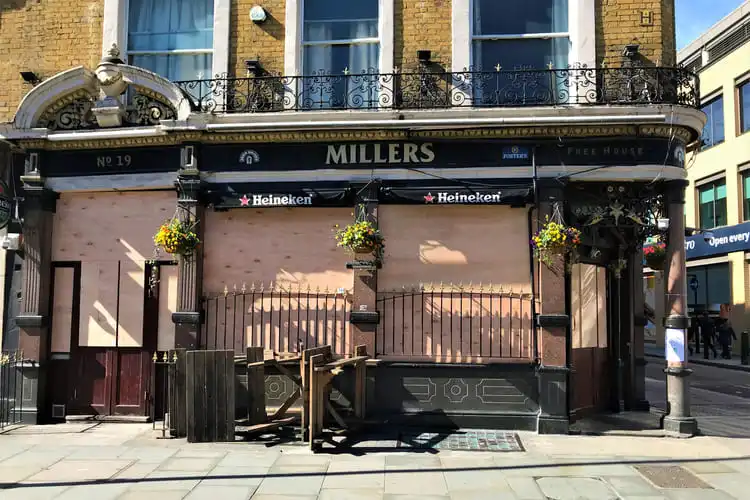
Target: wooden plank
[
  {"x": 220, "y": 399},
  {"x": 229, "y": 402},
  {"x": 284, "y": 407},
  {"x": 341, "y": 363},
  {"x": 267, "y": 425},
  {"x": 314, "y": 391},
  {"x": 190, "y": 398},
  {"x": 256, "y": 384},
  {"x": 209, "y": 388},
  {"x": 334, "y": 413},
  {"x": 177, "y": 396}
]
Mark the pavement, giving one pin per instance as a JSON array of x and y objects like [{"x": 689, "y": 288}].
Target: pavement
[
  {"x": 628, "y": 459},
  {"x": 652, "y": 350}
]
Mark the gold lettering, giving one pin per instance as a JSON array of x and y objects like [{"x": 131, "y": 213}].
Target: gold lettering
[
  {"x": 393, "y": 153},
  {"x": 363, "y": 154},
  {"x": 410, "y": 153},
  {"x": 336, "y": 155},
  {"x": 427, "y": 154},
  {"x": 378, "y": 158}
]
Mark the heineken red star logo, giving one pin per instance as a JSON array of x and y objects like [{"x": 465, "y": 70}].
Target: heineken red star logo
[
  {"x": 244, "y": 201},
  {"x": 429, "y": 198}
]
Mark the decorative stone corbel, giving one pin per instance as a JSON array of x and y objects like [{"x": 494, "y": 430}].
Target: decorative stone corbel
[{"x": 109, "y": 109}]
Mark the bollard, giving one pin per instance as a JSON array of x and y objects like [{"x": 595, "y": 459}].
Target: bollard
[{"x": 745, "y": 348}]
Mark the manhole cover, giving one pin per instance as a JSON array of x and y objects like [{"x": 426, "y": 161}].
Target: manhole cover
[
  {"x": 671, "y": 476},
  {"x": 472, "y": 440}
]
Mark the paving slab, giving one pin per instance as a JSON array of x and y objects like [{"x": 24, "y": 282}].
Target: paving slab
[
  {"x": 248, "y": 459},
  {"x": 34, "y": 458},
  {"x": 189, "y": 464},
  {"x": 32, "y": 492},
  {"x": 235, "y": 476},
  {"x": 734, "y": 483},
  {"x": 575, "y": 488},
  {"x": 292, "y": 480},
  {"x": 110, "y": 491},
  {"x": 261, "y": 496},
  {"x": 155, "y": 495},
  {"x": 138, "y": 470},
  {"x": 412, "y": 460},
  {"x": 697, "y": 494},
  {"x": 476, "y": 480},
  {"x": 169, "y": 481},
  {"x": 418, "y": 497},
  {"x": 73, "y": 471},
  {"x": 10, "y": 475},
  {"x": 525, "y": 488},
  {"x": 418, "y": 481},
  {"x": 149, "y": 454},
  {"x": 631, "y": 486},
  {"x": 358, "y": 494},
  {"x": 212, "y": 492},
  {"x": 286, "y": 460},
  {"x": 367, "y": 475}
]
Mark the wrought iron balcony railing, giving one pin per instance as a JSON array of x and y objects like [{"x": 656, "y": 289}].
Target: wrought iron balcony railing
[{"x": 430, "y": 89}]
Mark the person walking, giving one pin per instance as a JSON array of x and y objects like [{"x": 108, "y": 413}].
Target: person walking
[
  {"x": 726, "y": 336},
  {"x": 708, "y": 332}
]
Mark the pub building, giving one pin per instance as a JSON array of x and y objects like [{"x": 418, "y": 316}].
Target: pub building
[{"x": 463, "y": 325}]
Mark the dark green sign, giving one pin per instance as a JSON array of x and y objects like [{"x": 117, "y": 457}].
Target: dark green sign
[{"x": 6, "y": 205}]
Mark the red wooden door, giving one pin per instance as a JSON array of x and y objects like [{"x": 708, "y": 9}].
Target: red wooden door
[{"x": 116, "y": 380}]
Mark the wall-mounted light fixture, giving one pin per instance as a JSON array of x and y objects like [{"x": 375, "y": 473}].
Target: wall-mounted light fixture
[
  {"x": 424, "y": 56},
  {"x": 30, "y": 77},
  {"x": 631, "y": 50},
  {"x": 253, "y": 67},
  {"x": 258, "y": 14}
]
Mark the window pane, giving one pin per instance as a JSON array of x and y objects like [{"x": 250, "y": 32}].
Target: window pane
[
  {"x": 720, "y": 212},
  {"x": 332, "y": 88},
  {"x": 746, "y": 196},
  {"x": 493, "y": 17},
  {"x": 176, "y": 67},
  {"x": 340, "y": 20},
  {"x": 721, "y": 190},
  {"x": 717, "y": 122},
  {"x": 699, "y": 295},
  {"x": 745, "y": 107},
  {"x": 718, "y": 285},
  {"x": 706, "y": 194},
  {"x": 170, "y": 24},
  {"x": 521, "y": 54}
]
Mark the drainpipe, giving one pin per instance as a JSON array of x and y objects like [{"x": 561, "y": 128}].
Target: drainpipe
[{"x": 535, "y": 333}]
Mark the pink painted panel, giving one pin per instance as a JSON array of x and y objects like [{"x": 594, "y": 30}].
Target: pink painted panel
[
  {"x": 62, "y": 311},
  {"x": 167, "y": 305},
  {"x": 98, "y": 322},
  {"x": 454, "y": 244},
  {"x": 130, "y": 318},
  {"x": 290, "y": 246}
]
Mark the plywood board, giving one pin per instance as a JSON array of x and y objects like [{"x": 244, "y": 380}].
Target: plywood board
[
  {"x": 130, "y": 313},
  {"x": 98, "y": 321},
  {"x": 62, "y": 310},
  {"x": 167, "y": 306}
]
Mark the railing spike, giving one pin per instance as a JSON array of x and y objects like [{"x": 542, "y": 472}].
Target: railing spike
[
  {"x": 165, "y": 357},
  {"x": 270, "y": 286},
  {"x": 174, "y": 357},
  {"x": 441, "y": 286},
  {"x": 252, "y": 286},
  {"x": 155, "y": 357},
  {"x": 308, "y": 287},
  {"x": 244, "y": 287},
  {"x": 226, "y": 291},
  {"x": 481, "y": 287},
  {"x": 234, "y": 289},
  {"x": 262, "y": 287}
]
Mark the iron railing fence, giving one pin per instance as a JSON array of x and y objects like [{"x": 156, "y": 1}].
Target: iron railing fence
[
  {"x": 428, "y": 89},
  {"x": 456, "y": 324},
  {"x": 164, "y": 393},
  {"x": 11, "y": 388},
  {"x": 278, "y": 318}
]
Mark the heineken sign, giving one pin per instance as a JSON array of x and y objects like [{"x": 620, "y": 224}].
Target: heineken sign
[
  {"x": 6, "y": 205},
  {"x": 443, "y": 197},
  {"x": 275, "y": 200}
]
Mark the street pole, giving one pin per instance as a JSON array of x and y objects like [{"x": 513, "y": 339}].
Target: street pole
[{"x": 678, "y": 421}]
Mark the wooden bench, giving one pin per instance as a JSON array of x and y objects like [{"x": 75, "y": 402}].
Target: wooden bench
[{"x": 320, "y": 374}]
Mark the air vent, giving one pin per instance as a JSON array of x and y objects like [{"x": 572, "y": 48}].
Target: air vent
[
  {"x": 58, "y": 411},
  {"x": 695, "y": 65},
  {"x": 738, "y": 37}
]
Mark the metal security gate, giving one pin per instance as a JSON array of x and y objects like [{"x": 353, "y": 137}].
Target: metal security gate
[
  {"x": 456, "y": 324},
  {"x": 277, "y": 318},
  {"x": 11, "y": 388}
]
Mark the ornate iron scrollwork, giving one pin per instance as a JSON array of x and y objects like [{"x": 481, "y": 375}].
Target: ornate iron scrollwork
[{"x": 147, "y": 110}]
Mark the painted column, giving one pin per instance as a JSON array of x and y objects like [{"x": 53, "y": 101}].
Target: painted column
[
  {"x": 33, "y": 320},
  {"x": 637, "y": 392},
  {"x": 553, "y": 324},
  {"x": 678, "y": 420},
  {"x": 190, "y": 210},
  {"x": 365, "y": 316}
]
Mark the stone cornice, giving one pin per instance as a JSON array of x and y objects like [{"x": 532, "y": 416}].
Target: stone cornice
[{"x": 540, "y": 132}]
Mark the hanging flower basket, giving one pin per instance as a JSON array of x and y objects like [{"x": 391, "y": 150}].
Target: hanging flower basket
[
  {"x": 360, "y": 237},
  {"x": 554, "y": 239},
  {"x": 655, "y": 256},
  {"x": 176, "y": 237}
]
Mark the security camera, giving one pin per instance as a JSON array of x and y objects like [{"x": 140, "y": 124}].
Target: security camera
[
  {"x": 708, "y": 236},
  {"x": 662, "y": 224}
]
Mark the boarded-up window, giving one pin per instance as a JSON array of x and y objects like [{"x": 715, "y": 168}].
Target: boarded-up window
[
  {"x": 167, "y": 306},
  {"x": 588, "y": 306},
  {"x": 455, "y": 244},
  {"x": 62, "y": 310}
]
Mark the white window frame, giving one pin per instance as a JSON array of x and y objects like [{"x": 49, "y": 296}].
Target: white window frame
[
  {"x": 115, "y": 31},
  {"x": 581, "y": 31},
  {"x": 294, "y": 42}
]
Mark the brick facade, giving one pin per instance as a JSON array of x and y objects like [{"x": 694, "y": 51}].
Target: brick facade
[
  {"x": 47, "y": 36},
  {"x": 649, "y": 23}
]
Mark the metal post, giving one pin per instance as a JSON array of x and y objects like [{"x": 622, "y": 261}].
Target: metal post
[
  {"x": 745, "y": 348},
  {"x": 678, "y": 420}
]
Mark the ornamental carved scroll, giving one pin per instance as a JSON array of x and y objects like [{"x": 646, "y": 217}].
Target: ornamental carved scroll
[{"x": 75, "y": 112}]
